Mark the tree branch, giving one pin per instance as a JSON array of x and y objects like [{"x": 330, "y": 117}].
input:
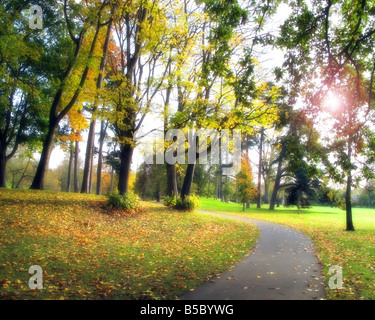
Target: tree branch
[{"x": 69, "y": 25}]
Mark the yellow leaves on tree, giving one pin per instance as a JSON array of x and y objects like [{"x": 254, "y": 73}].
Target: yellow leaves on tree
[{"x": 245, "y": 184}]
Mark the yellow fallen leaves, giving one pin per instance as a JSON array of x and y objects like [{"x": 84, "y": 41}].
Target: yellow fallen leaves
[{"x": 87, "y": 253}]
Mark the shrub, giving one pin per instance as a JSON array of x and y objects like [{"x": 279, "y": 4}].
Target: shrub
[
  {"x": 129, "y": 201},
  {"x": 170, "y": 201},
  {"x": 189, "y": 203}
]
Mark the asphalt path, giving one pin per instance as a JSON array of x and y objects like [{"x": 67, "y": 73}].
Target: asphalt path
[{"x": 282, "y": 266}]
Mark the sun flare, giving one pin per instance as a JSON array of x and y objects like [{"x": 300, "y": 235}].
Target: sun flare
[{"x": 332, "y": 101}]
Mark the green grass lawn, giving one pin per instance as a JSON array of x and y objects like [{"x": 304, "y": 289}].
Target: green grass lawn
[
  {"x": 88, "y": 252},
  {"x": 353, "y": 251}
]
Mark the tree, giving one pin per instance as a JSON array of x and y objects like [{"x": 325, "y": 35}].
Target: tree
[
  {"x": 77, "y": 51},
  {"x": 140, "y": 32},
  {"x": 200, "y": 180},
  {"x": 216, "y": 54},
  {"x": 21, "y": 86},
  {"x": 298, "y": 149},
  {"x": 328, "y": 61},
  {"x": 246, "y": 189},
  {"x": 113, "y": 160},
  {"x": 76, "y": 167},
  {"x": 260, "y": 168},
  {"x": 21, "y": 168},
  {"x": 223, "y": 90},
  {"x": 87, "y": 172},
  {"x": 201, "y": 71},
  {"x": 370, "y": 188},
  {"x": 269, "y": 159},
  {"x": 302, "y": 190},
  {"x": 68, "y": 137},
  {"x": 102, "y": 135},
  {"x": 70, "y": 167},
  {"x": 150, "y": 180}
]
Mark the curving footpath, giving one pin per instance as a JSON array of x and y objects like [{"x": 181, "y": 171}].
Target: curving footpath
[{"x": 281, "y": 266}]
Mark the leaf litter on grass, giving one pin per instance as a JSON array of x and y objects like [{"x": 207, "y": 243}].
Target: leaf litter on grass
[{"x": 88, "y": 252}]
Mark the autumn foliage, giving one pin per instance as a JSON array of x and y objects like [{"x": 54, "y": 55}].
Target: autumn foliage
[
  {"x": 245, "y": 184},
  {"x": 86, "y": 252}
]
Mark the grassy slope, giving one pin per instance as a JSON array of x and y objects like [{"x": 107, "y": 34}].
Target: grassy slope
[
  {"x": 353, "y": 251},
  {"x": 85, "y": 252}
]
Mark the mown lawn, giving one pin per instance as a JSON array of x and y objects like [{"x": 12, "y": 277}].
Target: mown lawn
[
  {"x": 87, "y": 252},
  {"x": 353, "y": 251}
]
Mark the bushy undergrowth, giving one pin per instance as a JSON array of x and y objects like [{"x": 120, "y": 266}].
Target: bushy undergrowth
[
  {"x": 189, "y": 203},
  {"x": 170, "y": 201},
  {"x": 128, "y": 202}
]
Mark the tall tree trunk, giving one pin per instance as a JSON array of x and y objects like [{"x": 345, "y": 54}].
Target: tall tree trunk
[
  {"x": 220, "y": 176},
  {"x": 5, "y": 139},
  {"x": 76, "y": 164},
  {"x": 91, "y": 171},
  {"x": 217, "y": 185},
  {"x": 348, "y": 194},
  {"x": 99, "y": 171},
  {"x": 171, "y": 180},
  {"x": 103, "y": 129},
  {"x": 221, "y": 193},
  {"x": 172, "y": 189},
  {"x": 259, "y": 197},
  {"x": 87, "y": 172},
  {"x": 277, "y": 184},
  {"x": 157, "y": 195},
  {"x": 188, "y": 181},
  {"x": 3, "y": 163},
  {"x": 209, "y": 182},
  {"x": 112, "y": 180},
  {"x": 126, "y": 156},
  {"x": 126, "y": 152},
  {"x": 266, "y": 191},
  {"x": 40, "y": 175},
  {"x": 226, "y": 197},
  {"x": 70, "y": 166},
  {"x": 54, "y": 116},
  {"x": 88, "y": 158}
]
